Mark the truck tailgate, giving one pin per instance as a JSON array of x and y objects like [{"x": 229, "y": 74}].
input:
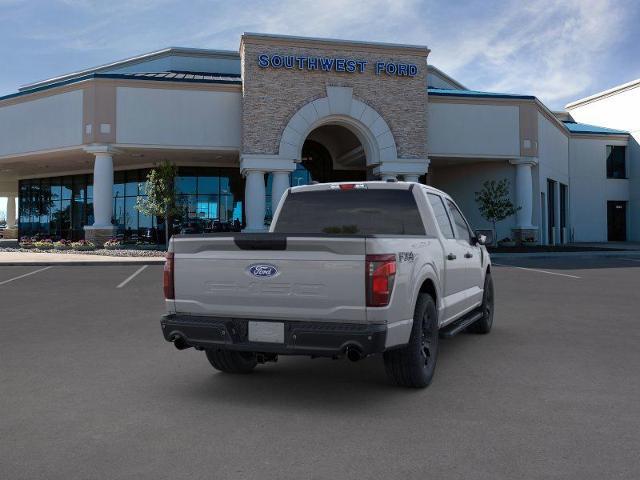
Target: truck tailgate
[{"x": 271, "y": 276}]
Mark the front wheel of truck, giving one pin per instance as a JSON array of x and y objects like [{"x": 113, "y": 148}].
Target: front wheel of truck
[
  {"x": 414, "y": 364},
  {"x": 232, "y": 362}
]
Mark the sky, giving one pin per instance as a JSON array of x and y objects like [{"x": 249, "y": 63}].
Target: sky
[{"x": 557, "y": 50}]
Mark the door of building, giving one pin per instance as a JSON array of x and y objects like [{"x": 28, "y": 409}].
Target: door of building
[
  {"x": 617, "y": 221},
  {"x": 551, "y": 212}
]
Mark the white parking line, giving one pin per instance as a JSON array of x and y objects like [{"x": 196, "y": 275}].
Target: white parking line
[
  {"x": 536, "y": 270},
  {"x": 131, "y": 277},
  {"x": 25, "y": 275}
]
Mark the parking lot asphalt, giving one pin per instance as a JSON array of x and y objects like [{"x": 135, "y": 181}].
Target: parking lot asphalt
[{"x": 89, "y": 389}]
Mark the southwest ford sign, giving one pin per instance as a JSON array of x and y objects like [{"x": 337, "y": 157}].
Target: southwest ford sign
[{"x": 334, "y": 64}]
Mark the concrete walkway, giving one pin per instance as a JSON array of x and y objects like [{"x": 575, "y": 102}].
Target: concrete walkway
[{"x": 32, "y": 258}]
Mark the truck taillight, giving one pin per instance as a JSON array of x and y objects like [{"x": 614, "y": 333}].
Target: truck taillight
[
  {"x": 169, "y": 292},
  {"x": 381, "y": 274}
]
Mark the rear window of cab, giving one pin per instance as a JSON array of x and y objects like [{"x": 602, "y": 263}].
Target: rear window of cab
[{"x": 350, "y": 212}]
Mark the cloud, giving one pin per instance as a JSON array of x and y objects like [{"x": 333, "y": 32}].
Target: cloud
[{"x": 550, "y": 49}]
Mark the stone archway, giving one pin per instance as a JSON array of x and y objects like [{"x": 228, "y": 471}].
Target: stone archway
[{"x": 340, "y": 108}]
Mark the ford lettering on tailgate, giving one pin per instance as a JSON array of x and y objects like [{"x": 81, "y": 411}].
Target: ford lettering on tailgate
[{"x": 263, "y": 270}]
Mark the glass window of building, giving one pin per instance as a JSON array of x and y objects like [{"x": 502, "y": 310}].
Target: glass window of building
[
  {"x": 60, "y": 207},
  {"x": 616, "y": 161}
]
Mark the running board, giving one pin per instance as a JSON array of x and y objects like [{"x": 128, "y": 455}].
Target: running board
[{"x": 459, "y": 325}]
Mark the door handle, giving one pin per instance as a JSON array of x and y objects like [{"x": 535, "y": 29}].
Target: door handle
[
  {"x": 468, "y": 255},
  {"x": 451, "y": 256}
]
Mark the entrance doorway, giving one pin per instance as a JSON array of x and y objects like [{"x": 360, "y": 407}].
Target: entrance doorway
[
  {"x": 617, "y": 221},
  {"x": 330, "y": 153},
  {"x": 333, "y": 153}
]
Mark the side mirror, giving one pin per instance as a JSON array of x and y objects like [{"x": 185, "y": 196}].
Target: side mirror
[{"x": 480, "y": 239}]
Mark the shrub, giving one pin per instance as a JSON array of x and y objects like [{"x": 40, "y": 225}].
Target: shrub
[
  {"x": 83, "y": 245},
  {"x": 26, "y": 242},
  {"x": 146, "y": 246}
]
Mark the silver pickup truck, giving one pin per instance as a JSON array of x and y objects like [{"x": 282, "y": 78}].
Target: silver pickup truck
[{"x": 346, "y": 270}]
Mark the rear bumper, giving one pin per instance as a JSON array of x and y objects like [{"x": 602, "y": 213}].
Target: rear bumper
[{"x": 324, "y": 339}]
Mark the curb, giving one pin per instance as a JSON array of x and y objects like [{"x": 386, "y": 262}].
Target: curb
[
  {"x": 595, "y": 253},
  {"x": 82, "y": 263}
]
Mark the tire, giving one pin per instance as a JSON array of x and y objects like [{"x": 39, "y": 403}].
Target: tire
[
  {"x": 232, "y": 362},
  {"x": 414, "y": 364},
  {"x": 483, "y": 326}
]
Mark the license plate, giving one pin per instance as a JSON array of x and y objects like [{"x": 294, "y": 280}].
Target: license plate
[{"x": 267, "y": 332}]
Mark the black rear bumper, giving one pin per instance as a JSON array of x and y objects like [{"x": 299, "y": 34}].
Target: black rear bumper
[{"x": 323, "y": 339}]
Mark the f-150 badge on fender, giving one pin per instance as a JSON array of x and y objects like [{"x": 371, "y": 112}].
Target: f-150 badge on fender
[
  {"x": 262, "y": 270},
  {"x": 406, "y": 256}
]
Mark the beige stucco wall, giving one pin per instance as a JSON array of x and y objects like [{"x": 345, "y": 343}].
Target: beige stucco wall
[
  {"x": 54, "y": 121},
  {"x": 467, "y": 129},
  {"x": 178, "y": 117},
  {"x": 271, "y": 96}
]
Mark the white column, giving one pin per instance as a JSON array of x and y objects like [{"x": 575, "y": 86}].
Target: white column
[
  {"x": 524, "y": 193},
  {"x": 254, "y": 199},
  {"x": 279, "y": 185},
  {"x": 409, "y": 169},
  {"x": 103, "y": 190},
  {"x": 11, "y": 212}
]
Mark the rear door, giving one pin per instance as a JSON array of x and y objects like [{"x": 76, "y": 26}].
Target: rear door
[
  {"x": 271, "y": 276},
  {"x": 473, "y": 281},
  {"x": 455, "y": 280}
]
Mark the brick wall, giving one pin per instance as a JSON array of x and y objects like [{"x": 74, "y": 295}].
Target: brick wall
[{"x": 271, "y": 96}]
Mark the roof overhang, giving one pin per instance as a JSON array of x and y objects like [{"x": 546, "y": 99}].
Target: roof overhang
[
  {"x": 145, "y": 57},
  {"x": 605, "y": 93}
]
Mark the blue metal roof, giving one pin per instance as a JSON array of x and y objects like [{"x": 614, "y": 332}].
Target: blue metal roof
[
  {"x": 575, "y": 127},
  {"x": 188, "y": 77},
  {"x": 445, "y": 92}
]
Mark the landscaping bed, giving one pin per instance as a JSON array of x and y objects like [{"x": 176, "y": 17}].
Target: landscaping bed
[{"x": 128, "y": 252}]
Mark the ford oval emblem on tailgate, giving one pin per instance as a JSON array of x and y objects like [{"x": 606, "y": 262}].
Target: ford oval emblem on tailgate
[{"x": 263, "y": 270}]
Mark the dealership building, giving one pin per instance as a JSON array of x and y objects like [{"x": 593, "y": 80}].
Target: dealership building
[{"x": 244, "y": 126}]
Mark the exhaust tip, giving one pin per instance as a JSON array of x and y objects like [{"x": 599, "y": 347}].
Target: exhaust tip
[
  {"x": 180, "y": 343},
  {"x": 354, "y": 353}
]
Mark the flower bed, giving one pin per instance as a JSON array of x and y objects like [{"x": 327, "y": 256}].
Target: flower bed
[{"x": 62, "y": 245}]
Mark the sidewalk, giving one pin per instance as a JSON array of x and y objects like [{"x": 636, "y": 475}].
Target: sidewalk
[{"x": 32, "y": 258}]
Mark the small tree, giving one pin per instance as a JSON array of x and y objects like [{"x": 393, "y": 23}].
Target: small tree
[
  {"x": 160, "y": 191},
  {"x": 494, "y": 202}
]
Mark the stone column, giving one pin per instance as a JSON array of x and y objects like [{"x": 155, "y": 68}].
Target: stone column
[
  {"x": 254, "y": 166},
  {"x": 102, "y": 229},
  {"x": 411, "y": 178},
  {"x": 279, "y": 186},
  {"x": 11, "y": 232},
  {"x": 524, "y": 197},
  {"x": 254, "y": 200},
  {"x": 11, "y": 211}
]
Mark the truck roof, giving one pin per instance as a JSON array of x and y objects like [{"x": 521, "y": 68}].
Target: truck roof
[{"x": 377, "y": 184}]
